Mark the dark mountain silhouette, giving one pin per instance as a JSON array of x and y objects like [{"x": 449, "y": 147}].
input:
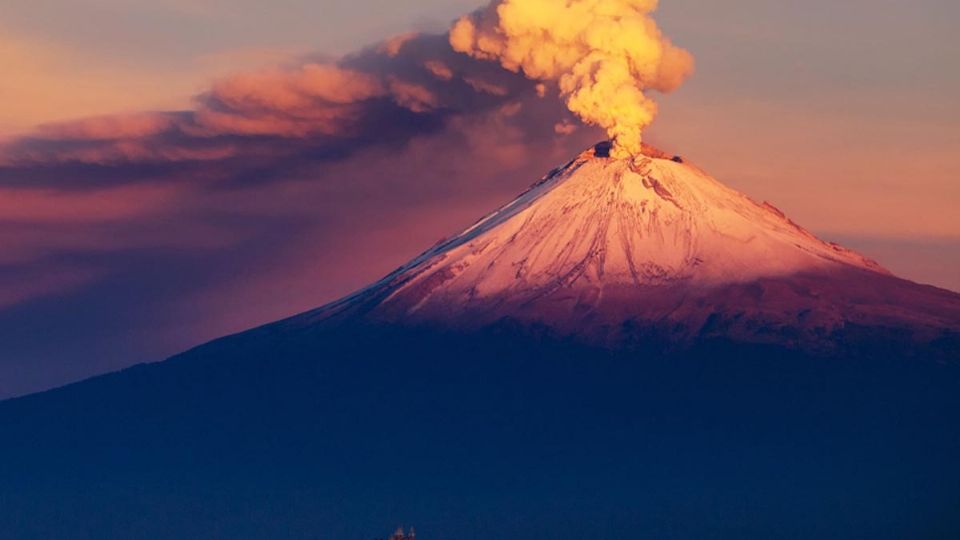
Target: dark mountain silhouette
[{"x": 628, "y": 350}]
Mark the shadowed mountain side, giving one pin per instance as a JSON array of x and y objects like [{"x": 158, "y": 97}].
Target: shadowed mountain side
[
  {"x": 842, "y": 312},
  {"x": 343, "y": 430}
]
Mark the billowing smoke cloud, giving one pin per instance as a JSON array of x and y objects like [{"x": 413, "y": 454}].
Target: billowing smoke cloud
[{"x": 603, "y": 55}]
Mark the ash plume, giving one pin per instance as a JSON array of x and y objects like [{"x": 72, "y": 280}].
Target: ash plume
[{"x": 603, "y": 55}]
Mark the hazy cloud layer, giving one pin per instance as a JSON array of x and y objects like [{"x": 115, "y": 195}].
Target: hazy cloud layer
[{"x": 130, "y": 237}]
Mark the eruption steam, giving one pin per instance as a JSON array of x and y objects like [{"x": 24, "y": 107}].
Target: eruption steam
[{"x": 603, "y": 55}]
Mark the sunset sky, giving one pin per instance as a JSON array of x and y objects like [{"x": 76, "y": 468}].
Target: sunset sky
[{"x": 130, "y": 234}]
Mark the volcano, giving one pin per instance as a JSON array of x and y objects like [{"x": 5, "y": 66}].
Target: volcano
[
  {"x": 628, "y": 349},
  {"x": 621, "y": 252}
]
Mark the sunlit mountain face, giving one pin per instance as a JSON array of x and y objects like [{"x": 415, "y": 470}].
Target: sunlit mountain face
[
  {"x": 629, "y": 349},
  {"x": 602, "y": 249}
]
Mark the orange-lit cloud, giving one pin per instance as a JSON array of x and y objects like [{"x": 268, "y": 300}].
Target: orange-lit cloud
[
  {"x": 110, "y": 127},
  {"x": 481, "y": 85},
  {"x": 439, "y": 69},
  {"x": 385, "y": 94},
  {"x": 314, "y": 98},
  {"x": 604, "y": 55}
]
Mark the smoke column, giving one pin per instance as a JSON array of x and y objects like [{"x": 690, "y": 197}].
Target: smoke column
[{"x": 602, "y": 54}]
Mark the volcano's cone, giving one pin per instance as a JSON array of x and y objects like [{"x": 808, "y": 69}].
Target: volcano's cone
[{"x": 603, "y": 246}]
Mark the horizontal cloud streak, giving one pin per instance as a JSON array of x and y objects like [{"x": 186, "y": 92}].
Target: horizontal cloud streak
[
  {"x": 279, "y": 189},
  {"x": 383, "y": 95}
]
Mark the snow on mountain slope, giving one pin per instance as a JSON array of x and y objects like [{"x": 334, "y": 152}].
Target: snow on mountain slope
[{"x": 601, "y": 243}]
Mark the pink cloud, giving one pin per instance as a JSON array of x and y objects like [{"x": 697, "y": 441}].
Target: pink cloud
[
  {"x": 439, "y": 69},
  {"x": 58, "y": 206},
  {"x": 383, "y": 95},
  {"x": 297, "y": 89},
  {"x": 111, "y": 127}
]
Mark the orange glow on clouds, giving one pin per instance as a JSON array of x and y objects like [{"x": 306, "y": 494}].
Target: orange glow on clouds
[{"x": 603, "y": 54}]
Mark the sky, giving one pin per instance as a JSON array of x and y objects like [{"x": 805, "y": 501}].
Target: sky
[{"x": 166, "y": 176}]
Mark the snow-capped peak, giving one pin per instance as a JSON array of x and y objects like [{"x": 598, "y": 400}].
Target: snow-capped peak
[
  {"x": 602, "y": 222},
  {"x": 601, "y": 243}
]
